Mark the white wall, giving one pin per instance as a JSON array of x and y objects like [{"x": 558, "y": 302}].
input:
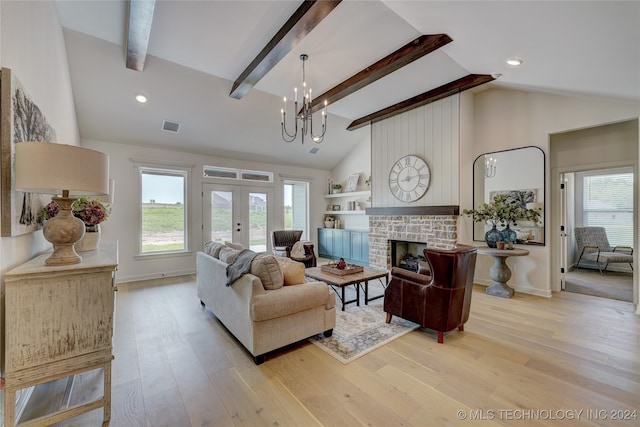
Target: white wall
[
  {"x": 122, "y": 224},
  {"x": 357, "y": 161},
  {"x": 32, "y": 46},
  {"x": 504, "y": 119}
]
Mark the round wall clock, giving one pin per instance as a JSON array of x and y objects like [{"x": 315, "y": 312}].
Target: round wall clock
[{"x": 409, "y": 178}]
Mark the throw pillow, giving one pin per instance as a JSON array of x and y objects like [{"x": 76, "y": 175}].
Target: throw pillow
[
  {"x": 228, "y": 255},
  {"x": 213, "y": 248},
  {"x": 292, "y": 271},
  {"x": 236, "y": 246},
  {"x": 268, "y": 270}
]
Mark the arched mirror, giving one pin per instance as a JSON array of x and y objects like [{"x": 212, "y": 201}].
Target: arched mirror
[{"x": 519, "y": 173}]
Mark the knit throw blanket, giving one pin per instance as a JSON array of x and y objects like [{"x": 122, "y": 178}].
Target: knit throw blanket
[
  {"x": 297, "y": 251},
  {"x": 241, "y": 265}
]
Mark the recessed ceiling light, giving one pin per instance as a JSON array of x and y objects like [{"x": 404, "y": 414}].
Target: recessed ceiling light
[
  {"x": 141, "y": 99},
  {"x": 514, "y": 62}
]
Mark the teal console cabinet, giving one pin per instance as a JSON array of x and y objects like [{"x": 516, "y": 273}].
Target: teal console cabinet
[{"x": 352, "y": 245}]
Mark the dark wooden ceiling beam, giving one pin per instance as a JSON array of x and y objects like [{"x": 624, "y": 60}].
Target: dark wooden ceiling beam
[
  {"x": 408, "y": 53},
  {"x": 451, "y": 88},
  {"x": 308, "y": 15},
  {"x": 140, "y": 19}
]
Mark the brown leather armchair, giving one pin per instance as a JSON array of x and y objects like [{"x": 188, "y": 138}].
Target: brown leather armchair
[
  {"x": 438, "y": 300},
  {"x": 282, "y": 242}
]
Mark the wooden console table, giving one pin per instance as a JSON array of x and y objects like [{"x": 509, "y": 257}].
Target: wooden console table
[
  {"x": 59, "y": 323},
  {"x": 499, "y": 271}
]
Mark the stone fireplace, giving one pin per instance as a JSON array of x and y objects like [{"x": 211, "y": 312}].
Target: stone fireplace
[
  {"x": 436, "y": 231},
  {"x": 406, "y": 255}
]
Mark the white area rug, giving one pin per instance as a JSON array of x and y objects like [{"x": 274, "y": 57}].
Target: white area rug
[{"x": 360, "y": 330}]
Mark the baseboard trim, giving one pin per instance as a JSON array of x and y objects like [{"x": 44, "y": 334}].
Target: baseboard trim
[
  {"x": 545, "y": 293},
  {"x": 150, "y": 276}
]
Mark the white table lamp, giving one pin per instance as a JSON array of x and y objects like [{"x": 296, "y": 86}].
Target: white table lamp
[{"x": 58, "y": 169}]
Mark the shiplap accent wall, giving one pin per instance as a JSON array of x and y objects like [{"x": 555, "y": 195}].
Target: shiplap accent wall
[{"x": 431, "y": 132}]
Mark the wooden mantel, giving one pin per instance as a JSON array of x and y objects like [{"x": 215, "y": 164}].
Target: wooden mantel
[{"x": 415, "y": 210}]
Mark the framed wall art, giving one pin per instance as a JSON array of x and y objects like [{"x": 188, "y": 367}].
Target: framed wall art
[
  {"x": 521, "y": 196},
  {"x": 20, "y": 120},
  {"x": 353, "y": 182}
]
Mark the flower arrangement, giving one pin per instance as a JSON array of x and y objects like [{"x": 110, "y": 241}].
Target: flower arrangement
[
  {"x": 91, "y": 211},
  {"x": 502, "y": 210},
  {"x": 48, "y": 211}
]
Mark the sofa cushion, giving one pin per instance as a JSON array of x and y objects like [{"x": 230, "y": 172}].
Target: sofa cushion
[
  {"x": 236, "y": 246},
  {"x": 289, "y": 300},
  {"x": 228, "y": 255},
  {"x": 213, "y": 248},
  {"x": 292, "y": 271},
  {"x": 266, "y": 267}
]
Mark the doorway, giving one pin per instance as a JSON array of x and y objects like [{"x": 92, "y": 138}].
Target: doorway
[
  {"x": 239, "y": 214},
  {"x": 590, "y": 152},
  {"x": 599, "y": 198}
]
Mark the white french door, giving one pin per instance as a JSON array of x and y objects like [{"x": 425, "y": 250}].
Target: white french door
[
  {"x": 239, "y": 214},
  {"x": 564, "y": 232}
]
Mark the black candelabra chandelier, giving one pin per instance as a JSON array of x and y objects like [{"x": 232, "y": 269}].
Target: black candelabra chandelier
[{"x": 305, "y": 115}]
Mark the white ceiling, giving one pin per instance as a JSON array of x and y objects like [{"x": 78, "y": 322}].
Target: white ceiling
[{"x": 198, "y": 48}]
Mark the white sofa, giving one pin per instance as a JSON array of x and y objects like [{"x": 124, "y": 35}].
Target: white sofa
[{"x": 264, "y": 320}]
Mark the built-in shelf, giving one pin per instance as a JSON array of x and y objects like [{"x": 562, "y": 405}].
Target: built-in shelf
[
  {"x": 354, "y": 196},
  {"x": 348, "y": 194}
]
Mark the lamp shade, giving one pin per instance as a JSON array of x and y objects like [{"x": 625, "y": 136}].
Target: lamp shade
[
  {"x": 109, "y": 197},
  {"x": 49, "y": 168},
  {"x": 59, "y": 169}
]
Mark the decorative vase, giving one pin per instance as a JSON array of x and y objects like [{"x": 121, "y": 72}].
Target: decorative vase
[
  {"x": 508, "y": 235},
  {"x": 91, "y": 239},
  {"x": 329, "y": 224},
  {"x": 492, "y": 236}
]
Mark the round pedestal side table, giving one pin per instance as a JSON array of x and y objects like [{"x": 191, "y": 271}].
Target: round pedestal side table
[{"x": 500, "y": 272}]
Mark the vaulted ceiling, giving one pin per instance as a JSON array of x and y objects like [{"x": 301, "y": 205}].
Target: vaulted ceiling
[{"x": 197, "y": 49}]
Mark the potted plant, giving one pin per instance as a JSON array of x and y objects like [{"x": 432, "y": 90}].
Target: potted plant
[
  {"x": 368, "y": 182},
  {"x": 336, "y": 188},
  {"x": 504, "y": 211},
  {"x": 329, "y": 221}
]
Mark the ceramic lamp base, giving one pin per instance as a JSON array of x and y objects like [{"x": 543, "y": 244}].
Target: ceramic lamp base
[{"x": 63, "y": 231}]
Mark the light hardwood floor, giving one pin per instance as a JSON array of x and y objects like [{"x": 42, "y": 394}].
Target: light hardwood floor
[{"x": 526, "y": 361}]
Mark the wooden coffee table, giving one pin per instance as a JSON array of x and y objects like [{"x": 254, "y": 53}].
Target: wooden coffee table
[{"x": 342, "y": 282}]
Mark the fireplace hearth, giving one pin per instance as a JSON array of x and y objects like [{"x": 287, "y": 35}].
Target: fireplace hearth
[
  {"x": 407, "y": 255},
  {"x": 440, "y": 231},
  {"x": 411, "y": 263}
]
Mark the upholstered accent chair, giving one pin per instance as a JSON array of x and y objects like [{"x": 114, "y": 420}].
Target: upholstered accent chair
[
  {"x": 592, "y": 244},
  {"x": 437, "y": 297},
  {"x": 283, "y": 242}
]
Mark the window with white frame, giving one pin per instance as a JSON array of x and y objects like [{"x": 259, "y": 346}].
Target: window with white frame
[
  {"x": 163, "y": 210},
  {"x": 296, "y": 202},
  {"x": 608, "y": 203}
]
